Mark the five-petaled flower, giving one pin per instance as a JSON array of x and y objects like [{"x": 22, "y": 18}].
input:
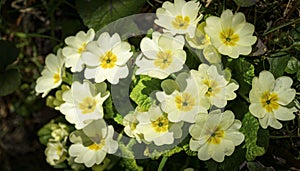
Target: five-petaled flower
[
  {"x": 268, "y": 98},
  {"x": 76, "y": 45},
  {"x": 215, "y": 135},
  {"x": 156, "y": 127},
  {"x": 51, "y": 74},
  {"x": 230, "y": 34},
  {"x": 106, "y": 58},
  {"x": 82, "y": 104},
  {"x": 102, "y": 143},
  {"x": 179, "y": 17},
  {"x": 162, "y": 55}
]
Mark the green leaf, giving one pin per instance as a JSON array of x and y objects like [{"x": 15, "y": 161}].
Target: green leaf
[
  {"x": 8, "y": 55},
  {"x": 234, "y": 161},
  {"x": 9, "y": 81},
  {"x": 278, "y": 63},
  {"x": 142, "y": 90},
  {"x": 119, "y": 119},
  {"x": 293, "y": 67},
  {"x": 245, "y": 3},
  {"x": 243, "y": 72},
  {"x": 255, "y": 166},
  {"x": 98, "y": 13},
  {"x": 108, "y": 108},
  {"x": 169, "y": 85},
  {"x": 249, "y": 129}
]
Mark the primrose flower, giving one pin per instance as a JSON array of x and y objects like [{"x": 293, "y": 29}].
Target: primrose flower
[
  {"x": 202, "y": 41},
  {"x": 156, "y": 127},
  {"x": 59, "y": 132},
  {"x": 130, "y": 122},
  {"x": 230, "y": 34},
  {"x": 82, "y": 104},
  {"x": 179, "y": 18},
  {"x": 215, "y": 135},
  {"x": 55, "y": 153},
  {"x": 268, "y": 98},
  {"x": 51, "y": 74},
  {"x": 76, "y": 45},
  {"x": 103, "y": 143},
  {"x": 163, "y": 55},
  {"x": 213, "y": 86},
  {"x": 106, "y": 58},
  {"x": 182, "y": 106}
]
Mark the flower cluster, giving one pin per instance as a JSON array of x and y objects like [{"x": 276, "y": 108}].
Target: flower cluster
[{"x": 195, "y": 99}]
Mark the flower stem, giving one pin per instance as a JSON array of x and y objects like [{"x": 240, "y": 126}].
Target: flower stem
[{"x": 162, "y": 163}]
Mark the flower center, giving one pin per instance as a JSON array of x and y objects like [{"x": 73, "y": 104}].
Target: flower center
[
  {"x": 181, "y": 23},
  {"x": 108, "y": 60},
  {"x": 87, "y": 105},
  {"x": 82, "y": 48},
  {"x": 97, "y": 147},
  {"x": 56, "y": 78},
  {"x": 229, "y": 38},
  {"x": 184, "y": 102},
  {"x": 269, "y": 101},
  {"x": 216, "y": 136},
  {"x": 161, "y": 124},
  {"x": 212, "y": 87},
  {"x": 164, "y": 59}
]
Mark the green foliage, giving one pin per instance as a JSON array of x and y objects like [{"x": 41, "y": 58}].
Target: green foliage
[
  {"x": 10, "y": 78},
  {"x": 278, "y": 63},
  {"x": 56, "y": 101},
  {"x": 243, "y": 72},
  {"x": 249, "y": 129},
  {"x": 45, "y": 133},
  {"x": 293, "y": 67},
  {"x": 169, "y": 85},
  {"x": 108, "y": 108},
  {"x": 245, "y": 3},
  {"x": 119, "y": 119},
  {"x": 255, "y": 166},
  {"x": 142, "y": 90},
  {"x": 128, "y": 161},
  {"x": 98, "y": 13}
]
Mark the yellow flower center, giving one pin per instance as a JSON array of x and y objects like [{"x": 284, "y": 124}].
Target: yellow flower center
[
  {"x": 229, "y": 38},
  {"x": 82, "y": 48},
  {"x": 181, "y": 23},
  {"x": 97, "y": 147},
  {"x": 216, "y": 136},
  {"x": 56, "y": 78},
  {"x": 185, "y": 102},
  {"x": 164, "y": 59},
  {"x": 88, "y": 105},
  {"x": 212, "y": 87},
  {"x": 108, "y": 60},
  {"x": 269, "y": 101},
  {"x": 59, "y": 150},
  {"x": 161, "y": 124}
]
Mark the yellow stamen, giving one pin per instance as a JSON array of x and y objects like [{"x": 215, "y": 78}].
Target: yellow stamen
[
  {"x": 161, "y": 124},
  {"x": 216, "y": 136},
  {"x": 88, "y": 105},
  {"x": 229, "y": 38},
  {"x": 212, "y": 87},
  {"x": 185, "y": 102},
  {"x": 269, "y": 101},
  {"x": 82, "y": 48},
  {"x": 181, "y": 23},
  {"x": 164, "y": 59},
  {"x": 97, "y": 147},
  {"x": 108, "y": 60},
  {"x": 56, "y": 78}
]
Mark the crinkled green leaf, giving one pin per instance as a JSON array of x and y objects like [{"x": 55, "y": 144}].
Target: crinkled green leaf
[
  {"x": 293, "y": 67},
  {"x": 243, "y": 72},
  {"x": 128, "y": 160},
  {"x": 278, "y": 63},
  {"x": 108, "y": 108},
  {"x": 245, "y": 3},
  {"x": 98, "y": 13},
  {"x": 119, "y": 119},
  {"x": 8, "y": 54},
  {"x": 9, "y": 81},
  {"x": 249, "y": 129},
  {"x": 140, "y": 94}
]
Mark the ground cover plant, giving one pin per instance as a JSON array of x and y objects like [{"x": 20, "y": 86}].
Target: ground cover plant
[{"x": 149, "y": 85}]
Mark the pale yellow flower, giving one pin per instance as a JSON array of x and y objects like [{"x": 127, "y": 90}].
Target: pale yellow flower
[
  {"x": 269, "y": 97},
  {"x": 215, "y": 135},
  {"x": 55, "y": 152},
  {"x": 180, "y": 17},
  {"x": 76, "y": 45},
  {"x": 230, "y": 33},
  {"x": 51, "y": 74}
]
